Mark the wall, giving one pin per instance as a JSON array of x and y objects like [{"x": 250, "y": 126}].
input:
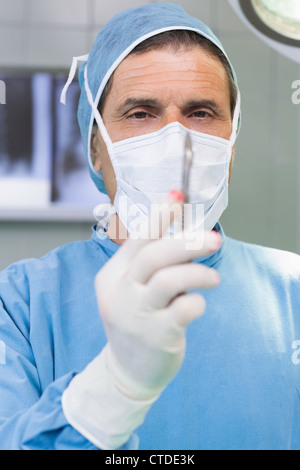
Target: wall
[{"x": 263, "y": 196}]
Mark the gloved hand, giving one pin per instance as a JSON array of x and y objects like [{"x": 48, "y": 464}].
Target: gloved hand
[
  {"x": 144, "y": 304},
  {"x": 145, "y": 307}
]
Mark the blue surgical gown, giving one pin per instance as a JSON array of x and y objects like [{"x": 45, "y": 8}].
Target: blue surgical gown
[{"x": 238, "y": 387}]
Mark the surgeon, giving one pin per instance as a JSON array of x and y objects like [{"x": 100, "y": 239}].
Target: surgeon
[{"x": 147, "y": 336}]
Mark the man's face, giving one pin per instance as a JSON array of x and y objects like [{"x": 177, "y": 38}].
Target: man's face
[{"x": 158, "y": 87}]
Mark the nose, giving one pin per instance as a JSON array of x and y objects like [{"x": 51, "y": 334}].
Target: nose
[{"x": 173, "y": 115}]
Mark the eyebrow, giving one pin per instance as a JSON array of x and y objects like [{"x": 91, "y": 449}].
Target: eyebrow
[
  {"x": 153, "y": 103},
  {"x": 135, "y": 102},
  {"x": 211, "y": 104}
]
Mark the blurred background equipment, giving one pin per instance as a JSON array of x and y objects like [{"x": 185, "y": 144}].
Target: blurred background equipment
[
  {"x": 283, "y": 16},
  {"x": 276, "y": 22},
  {"x": 43, "y": 169}
]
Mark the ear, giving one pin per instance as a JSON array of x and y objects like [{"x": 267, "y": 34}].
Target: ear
[{"x": 95, "y": 149}]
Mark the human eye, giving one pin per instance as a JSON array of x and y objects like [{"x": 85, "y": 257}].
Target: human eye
[
  {"x": 201, "y": 114},
  {"x": 138, "y": 115}
]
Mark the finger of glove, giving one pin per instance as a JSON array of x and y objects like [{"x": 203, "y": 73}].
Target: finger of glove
[
  {"x": 169, "y": 252},
  {"x": 186, "y": 308},
  {"x": 170, "y": 282}
]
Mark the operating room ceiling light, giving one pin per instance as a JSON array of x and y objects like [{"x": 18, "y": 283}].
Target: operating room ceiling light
[
  {"x": 283, "y": 16},
  {"x": 285, "y": 38}
]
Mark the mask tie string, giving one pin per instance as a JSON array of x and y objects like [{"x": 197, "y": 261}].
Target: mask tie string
[
  {"x": 95, "y": 112},
  {"x": 72, "y": 72},
  {"x": 236, "y": 122}
]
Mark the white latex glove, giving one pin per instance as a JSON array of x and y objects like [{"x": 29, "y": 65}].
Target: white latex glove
[
  {"x": 145, "y": 309},
  {"x": 142, "y": 299}
]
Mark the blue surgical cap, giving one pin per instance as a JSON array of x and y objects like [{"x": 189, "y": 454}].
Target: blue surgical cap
[{"x": 114, "y": 42}]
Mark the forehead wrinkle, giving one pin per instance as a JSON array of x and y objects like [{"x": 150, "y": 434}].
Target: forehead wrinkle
[
  {"x": 136, "y": 64},
  {"x": 149, "y": 72},
  {"x": 196, "y": 82},
  {"x": 147, "y": 85}
]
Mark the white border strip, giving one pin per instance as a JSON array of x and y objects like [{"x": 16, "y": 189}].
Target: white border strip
[{"x": 298, "y": 185}]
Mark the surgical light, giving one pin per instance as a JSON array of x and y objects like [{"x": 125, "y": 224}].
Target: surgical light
[
  {"x": 276, "y": 22},
  {"x": 283, "y": 16}
]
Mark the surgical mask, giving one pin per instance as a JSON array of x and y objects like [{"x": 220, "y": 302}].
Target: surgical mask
[{"x": 148, "y": 166}]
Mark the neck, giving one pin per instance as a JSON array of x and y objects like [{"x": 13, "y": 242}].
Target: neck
[{"x": 117, "y": 231}]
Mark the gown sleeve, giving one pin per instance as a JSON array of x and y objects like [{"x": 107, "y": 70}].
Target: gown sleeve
[{"x": 30, "y": 418}]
